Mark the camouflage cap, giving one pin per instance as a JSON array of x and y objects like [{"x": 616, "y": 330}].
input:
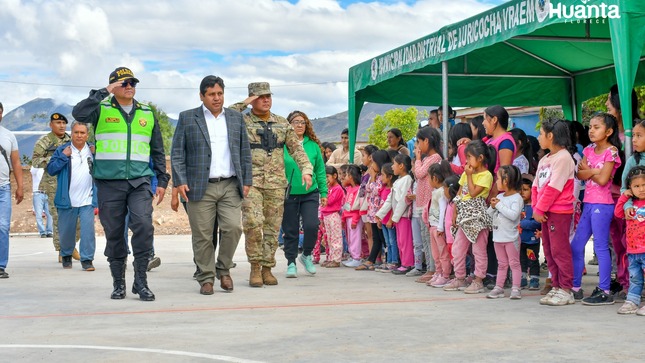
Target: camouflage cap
[{"x": 259, "y": 89}]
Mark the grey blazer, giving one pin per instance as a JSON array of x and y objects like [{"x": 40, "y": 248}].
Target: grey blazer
[{"x": 191, "y": 151}]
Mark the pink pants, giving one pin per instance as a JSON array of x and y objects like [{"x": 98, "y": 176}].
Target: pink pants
[
  {"x": 321, "y": 240},
  {"x": 354, "y": 238},
  {"x": 508, "y": 254},
  {"x": 557, "y": 250},
  {"x": 365, "y": 244},
  {"x": 334, "y": 231},
  {"x": 460, "y": 249},
  {"x": 404, "y": 241},
  {"x": 440, "y": 253}
]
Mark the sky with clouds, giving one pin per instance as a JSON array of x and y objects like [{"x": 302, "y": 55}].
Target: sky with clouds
[{"x": 62, "y": 48}]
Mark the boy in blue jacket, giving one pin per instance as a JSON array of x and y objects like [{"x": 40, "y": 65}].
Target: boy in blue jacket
[{"x": 530, "y": 243}]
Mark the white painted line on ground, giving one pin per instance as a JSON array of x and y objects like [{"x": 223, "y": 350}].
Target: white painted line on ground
[{"x": 142, "y": 350}]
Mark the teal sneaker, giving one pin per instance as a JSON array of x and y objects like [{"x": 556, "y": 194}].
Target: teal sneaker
[
  {"x": 308, "y": 263},
  {"x": 292, "y": 271}
]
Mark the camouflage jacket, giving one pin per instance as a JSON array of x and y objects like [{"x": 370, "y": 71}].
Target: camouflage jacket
[
  {"x": 43, "y": 151},
  {"x": 268, "y": 168}
]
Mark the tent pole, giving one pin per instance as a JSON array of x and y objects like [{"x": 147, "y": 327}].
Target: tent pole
[
  {"x": 574, "y": 99},
  {"x": 444, "y": 92}
]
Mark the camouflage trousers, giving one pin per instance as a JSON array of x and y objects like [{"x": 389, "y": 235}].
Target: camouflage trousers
[
  {"x": 261, "y": 219},
  {"x": 54, "y": 213}
]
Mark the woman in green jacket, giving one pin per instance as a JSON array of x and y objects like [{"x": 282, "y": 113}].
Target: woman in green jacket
[{"x": 301, "y": 203}]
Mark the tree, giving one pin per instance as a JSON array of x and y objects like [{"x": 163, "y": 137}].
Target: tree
[
  {"x": 167, "y": 129},
  {"x": 596, "y": 104},
  {"x": 406, "y": 121}
]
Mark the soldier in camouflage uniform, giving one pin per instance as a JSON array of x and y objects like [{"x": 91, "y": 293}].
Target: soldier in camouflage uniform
[
  {"x": 262, "y": 208},
  {"x": 43, "y": 151}
]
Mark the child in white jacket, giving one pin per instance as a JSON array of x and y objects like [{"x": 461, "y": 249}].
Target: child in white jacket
[{"x": 506, "y": 211}]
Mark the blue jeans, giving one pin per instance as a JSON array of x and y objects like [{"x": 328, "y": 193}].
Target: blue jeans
[
  {"x": 67, "y": 219},
  {"x": 636, "y": 270},
  {"x": 42, "y": 205},
  {"x": 390, "y": 242},
  {"x": 5, "y": 222}
]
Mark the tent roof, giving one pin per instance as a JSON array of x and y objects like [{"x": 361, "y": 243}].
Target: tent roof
[{"x": 515, "y": 54}]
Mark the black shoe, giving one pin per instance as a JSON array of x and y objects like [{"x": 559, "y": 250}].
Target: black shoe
[
  {"x": 620, "y": 296},
  {"x": 87, "y": 265},
  {"x": 67, "y": 262},
  {"x": 117, "y": 269},
  {"x": 489, "y": 282},
  {"x": 400, "y": 271},
  {"x": 598, "y": 297},
  {"x": 140, "y": 285},
  {"x": 578, "y": 295},
  {"x": 43, "y": 236},
  {"x": 3, "y": 274},
  {"x": 50, "y": 235},
  {"x": 615, "y": 286}
]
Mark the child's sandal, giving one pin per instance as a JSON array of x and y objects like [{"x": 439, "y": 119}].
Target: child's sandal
[{"x": 365, "y": 266}]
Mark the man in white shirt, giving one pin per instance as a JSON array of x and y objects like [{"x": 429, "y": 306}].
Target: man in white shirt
[
  {"x": 211, "y": 170},
  {"x": 40, "y": 203},
  {"x": 75, "y": 196},
  {"x": 9, "y": 160}
]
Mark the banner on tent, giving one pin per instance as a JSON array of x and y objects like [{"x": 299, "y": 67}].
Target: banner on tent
[{"x": 501, "y": 20}]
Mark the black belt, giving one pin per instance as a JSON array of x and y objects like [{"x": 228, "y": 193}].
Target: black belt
[{"x": 217, "y": 180}]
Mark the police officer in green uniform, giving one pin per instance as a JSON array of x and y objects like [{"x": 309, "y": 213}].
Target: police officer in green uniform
[
  {"x": 263, "y": 207},
  {"x": 43, "y": 151},
  {"x": 127, "y": 138}
]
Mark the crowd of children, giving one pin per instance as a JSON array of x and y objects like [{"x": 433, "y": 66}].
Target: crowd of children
[{"x": 431, "y": 217}]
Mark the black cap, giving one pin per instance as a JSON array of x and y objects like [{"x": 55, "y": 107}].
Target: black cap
[
  {"x": 57, "y": 116},
  {"x": 121, "y": 74}
]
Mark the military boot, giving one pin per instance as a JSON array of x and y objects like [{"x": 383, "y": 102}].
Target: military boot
[
  {"x": 267, "y": 276},
  {"x": 117, "y": 268},
  {"x": 140, "y": 285},
  {"x": 255, "y": 280}
]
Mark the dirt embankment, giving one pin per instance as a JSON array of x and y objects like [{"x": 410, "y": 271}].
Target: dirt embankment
[{"x": 23, "y": 220}]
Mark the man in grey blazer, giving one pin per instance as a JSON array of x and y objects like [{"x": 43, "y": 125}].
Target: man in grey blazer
[{"x": 211, "y": 169}]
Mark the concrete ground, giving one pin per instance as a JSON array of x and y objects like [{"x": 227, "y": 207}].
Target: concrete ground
[{"x": 338, "y": 315}]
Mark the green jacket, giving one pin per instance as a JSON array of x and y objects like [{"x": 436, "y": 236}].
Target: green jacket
[{"x": 319, "y": 177}]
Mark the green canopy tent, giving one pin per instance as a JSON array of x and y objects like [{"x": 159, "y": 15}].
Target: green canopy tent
[{"x": 521, "y": 53}]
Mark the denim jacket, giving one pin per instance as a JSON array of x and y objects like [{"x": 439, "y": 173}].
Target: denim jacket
[{"x": 60, "y": 165}]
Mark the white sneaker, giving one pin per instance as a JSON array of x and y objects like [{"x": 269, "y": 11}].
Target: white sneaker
[
  {"x": 496, "y": 293},
  {"x": 641, "y": 311},
  {"x": 352, "y": 263},
  {"x": 561, "y": 298},
  {"x": 547, "y": 297},
  {"x": 628, "y": 308},
  {"x": 414, "y": 273}
]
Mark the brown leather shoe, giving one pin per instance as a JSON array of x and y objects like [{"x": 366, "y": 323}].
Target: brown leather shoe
[
  {"x": 226, "y": 283},
  {"x": 206, "y": 289}
]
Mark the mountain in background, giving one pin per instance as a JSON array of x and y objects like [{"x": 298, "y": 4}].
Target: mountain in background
[{"x": 34, "y": 116}]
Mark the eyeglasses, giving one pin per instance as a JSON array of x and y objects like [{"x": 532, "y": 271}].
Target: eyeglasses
[
  {"x": 129, "y": 82},
  {"x": 298, "y": 123}
]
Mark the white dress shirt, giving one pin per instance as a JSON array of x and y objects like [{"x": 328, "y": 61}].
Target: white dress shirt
[{"x": 221, "y": 164}]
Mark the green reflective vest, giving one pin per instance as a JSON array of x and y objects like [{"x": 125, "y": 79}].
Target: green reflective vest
[{"x": 123, "y": 148}]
